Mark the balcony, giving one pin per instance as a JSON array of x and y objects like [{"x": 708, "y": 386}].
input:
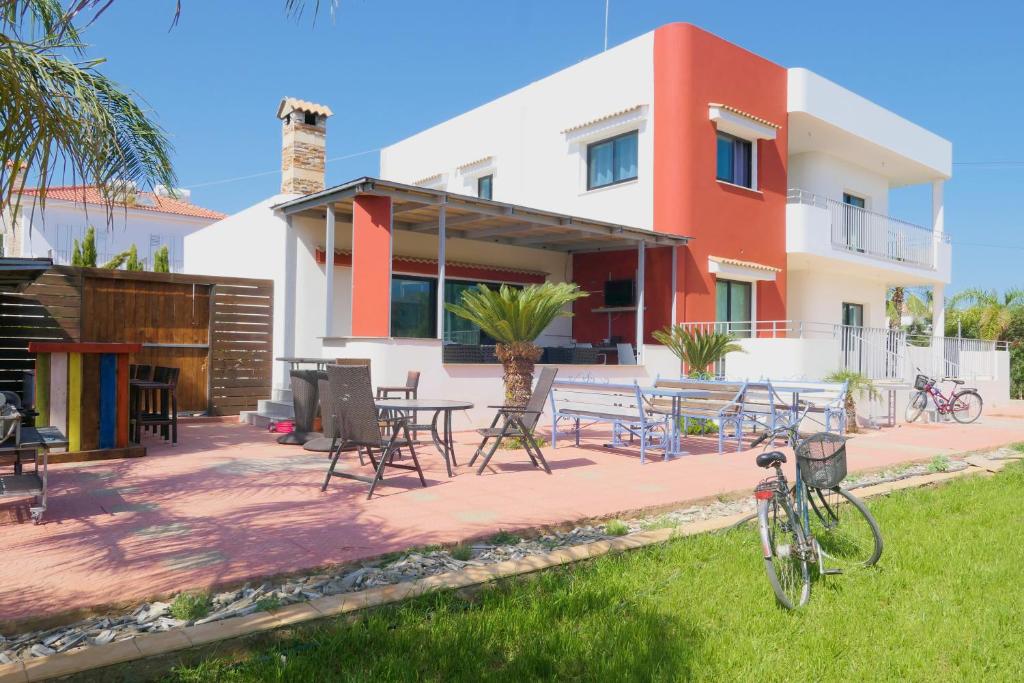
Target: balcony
[{"x": 826, "y": 227}]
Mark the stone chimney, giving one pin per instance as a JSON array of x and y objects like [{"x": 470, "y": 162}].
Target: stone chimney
[{"x": 304, "y": 143}]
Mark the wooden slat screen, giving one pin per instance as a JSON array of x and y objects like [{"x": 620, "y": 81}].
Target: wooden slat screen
[
  {"x": 47, "y": 310},
  {"x": 221, "y": 342},
  {"x": 241, "y": 345}
]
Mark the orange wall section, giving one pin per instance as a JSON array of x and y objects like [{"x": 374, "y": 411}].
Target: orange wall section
[
  {"x": 693, "y": 68},
  {"x": 371, "y": 266},
  {"x": 590, "y": 270}
]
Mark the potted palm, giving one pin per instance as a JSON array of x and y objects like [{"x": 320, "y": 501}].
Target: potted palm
[
  {"x": 698, "y": 349},
  {"x": 856, "y": 385},
  {"x": 515, "y": 318}
]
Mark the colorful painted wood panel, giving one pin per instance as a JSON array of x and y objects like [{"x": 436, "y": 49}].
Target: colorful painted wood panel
[{"x": 82, "y": 389}]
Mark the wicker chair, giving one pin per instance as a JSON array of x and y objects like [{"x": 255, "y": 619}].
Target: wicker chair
[
  {"x": 520, "y": 419},
  {"x": 357, "y": 425}
]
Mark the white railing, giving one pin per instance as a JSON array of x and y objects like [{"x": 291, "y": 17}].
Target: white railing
[
  {"x": 879, "y": 353},
  {"x": 861, "y": 231},
  {"x": 969, "y": 359},
  {"x": 875, "y": 352}
]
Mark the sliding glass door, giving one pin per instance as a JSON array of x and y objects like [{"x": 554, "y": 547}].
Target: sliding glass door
[{"x": 734, "y": 307}]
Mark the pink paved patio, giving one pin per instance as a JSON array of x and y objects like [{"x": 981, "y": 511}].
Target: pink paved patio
[{"x": 229, "y": 504}]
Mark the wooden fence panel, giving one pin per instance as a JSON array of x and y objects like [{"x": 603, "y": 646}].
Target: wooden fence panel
[
  {"x": 171, "y": 318},
  {"x": 48, "y": 310},
  {"x": 241, "y": 346},
  {"x": 222, "y": 344}
]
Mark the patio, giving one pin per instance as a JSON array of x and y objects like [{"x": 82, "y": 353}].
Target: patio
[{"x": 229, "y": 504}]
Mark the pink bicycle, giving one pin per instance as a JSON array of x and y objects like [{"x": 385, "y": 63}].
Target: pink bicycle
[{"x": 963, "y": 404}]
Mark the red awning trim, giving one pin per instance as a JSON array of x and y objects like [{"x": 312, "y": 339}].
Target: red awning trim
[{"x": 427, "y": 266}]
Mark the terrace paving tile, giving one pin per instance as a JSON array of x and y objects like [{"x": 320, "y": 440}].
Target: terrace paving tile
[{"x": 228, "y": 504}]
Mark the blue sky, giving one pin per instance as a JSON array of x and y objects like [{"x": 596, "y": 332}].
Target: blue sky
[{"x": 391, "y": 68}]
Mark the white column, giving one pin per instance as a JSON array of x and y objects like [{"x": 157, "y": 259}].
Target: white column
[
  {"x": 938, "y": 310},
  {"x": 675, "y": 283},
  {"x": 640, "y": 257},
  {"x": 329, "y": 269},
  {"x": 441, "y": 238},
  {"x": 938, "y": 219},
  {"x": 938, "y": 227}
]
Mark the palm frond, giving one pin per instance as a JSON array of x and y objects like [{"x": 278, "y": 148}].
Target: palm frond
[
  {"x": 697, "y": 348},
  {"x": 512, "y": 315},
  {"x": 856, "y": 384},
  {"x": 61, "y": 116}
]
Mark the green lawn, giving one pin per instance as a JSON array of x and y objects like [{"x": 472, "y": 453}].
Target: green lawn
[{"x": 945, "y": 603}]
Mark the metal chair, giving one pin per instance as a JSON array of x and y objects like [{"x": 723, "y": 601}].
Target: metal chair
[
  {"x": 357, "y": 425},
  {"x": 518, "y": 418}
]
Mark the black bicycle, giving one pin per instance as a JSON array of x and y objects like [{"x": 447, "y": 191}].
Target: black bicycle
[{"x": 815, "y": 522}]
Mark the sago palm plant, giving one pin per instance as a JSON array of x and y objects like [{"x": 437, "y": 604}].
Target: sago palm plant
[
  {"x": 859, "y": 386},
  {"x": 698, "y": 349},
  {"x": 515, "y": 318}
]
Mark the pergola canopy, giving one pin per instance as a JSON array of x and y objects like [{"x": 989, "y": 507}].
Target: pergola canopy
[{"x": 418, "y": 209}]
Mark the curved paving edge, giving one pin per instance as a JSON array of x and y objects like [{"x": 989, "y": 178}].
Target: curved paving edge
[{"x": 153, "y": 644}]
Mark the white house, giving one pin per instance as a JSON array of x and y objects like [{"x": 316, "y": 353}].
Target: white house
[
  {"x": 676, "y": 178},
  {"x": 149, "y": 220}
]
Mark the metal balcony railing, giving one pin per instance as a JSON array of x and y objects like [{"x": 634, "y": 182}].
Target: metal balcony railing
[
  {"x": 879, "y": 353},
  {"x": 875, "y": 235}
]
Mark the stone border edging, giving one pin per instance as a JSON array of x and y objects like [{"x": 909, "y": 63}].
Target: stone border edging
[{"x": 154, "y": 644}]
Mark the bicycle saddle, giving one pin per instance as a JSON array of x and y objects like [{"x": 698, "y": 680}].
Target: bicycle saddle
[
  {"x": 768, "y": 459},
  {"x": 954, "y": 381}
]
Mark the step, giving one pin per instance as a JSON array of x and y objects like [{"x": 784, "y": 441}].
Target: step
[
  {"x": 278, "y": 409},
  {"x": 252, "y": 417}
]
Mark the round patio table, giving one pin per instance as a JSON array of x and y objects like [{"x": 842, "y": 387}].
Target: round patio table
[{"x": 442, "y": 410}]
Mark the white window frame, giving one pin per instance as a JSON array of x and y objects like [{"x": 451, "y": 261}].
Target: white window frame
[
  {"x": 472, "y": 173},
  {"x": 744, "y": 128},
  {"x": 580, "y": 138}
]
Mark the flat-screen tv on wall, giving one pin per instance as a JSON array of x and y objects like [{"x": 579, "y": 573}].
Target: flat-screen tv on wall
[{"x": 618, "y": 293}]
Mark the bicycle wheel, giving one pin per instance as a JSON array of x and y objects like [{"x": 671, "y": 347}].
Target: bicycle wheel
[
  {"x": 847, "y": 534},
  {"x": 782, "y": 539},
  {"x": 966, "y": 406},
  {"x": 918, "y": 402}
]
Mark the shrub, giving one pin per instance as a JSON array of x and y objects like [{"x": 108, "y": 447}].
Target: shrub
[
  {"x": 616, "y": 527},
  {"x": 461, "y": 552},
  {"x": 698, "y": 427},
  {"x": 504, "y": 538},
  {"x": 268, "y": 603},
  {"x": 940, "y": 463},
  {"x": 190, "y": 606}
]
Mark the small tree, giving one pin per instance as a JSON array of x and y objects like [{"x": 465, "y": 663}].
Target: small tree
[
  {"x": 514, "y": 318},
  {"x": 133, "y": 263},
  {"x": 76, "y": 254},
  {"x": 89, "y": 248},
  {"x": 697, "y": 349},
  {"x": 116, "y": 262},
  {"x": 161, "y": 260},
  {"x": 857, "y": 385}
]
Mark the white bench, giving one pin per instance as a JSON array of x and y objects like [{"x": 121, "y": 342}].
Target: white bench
[{"x": 621, "y": 405}]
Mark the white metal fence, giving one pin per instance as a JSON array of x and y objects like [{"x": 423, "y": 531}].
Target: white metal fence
[
  {"x": 877, "y": 352},
  {"x": 873, "y": 234}
]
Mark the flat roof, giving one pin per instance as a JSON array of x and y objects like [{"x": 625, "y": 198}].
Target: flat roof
[{"x": 417, "y": 209}]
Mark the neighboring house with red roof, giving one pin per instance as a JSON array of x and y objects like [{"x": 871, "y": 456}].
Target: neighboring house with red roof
[{"x": 149, "y": 220}]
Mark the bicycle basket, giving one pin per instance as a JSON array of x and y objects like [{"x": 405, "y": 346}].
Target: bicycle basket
[
  {"x": 822, "y": 460},
  {"x": 921, "y": 382}
]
